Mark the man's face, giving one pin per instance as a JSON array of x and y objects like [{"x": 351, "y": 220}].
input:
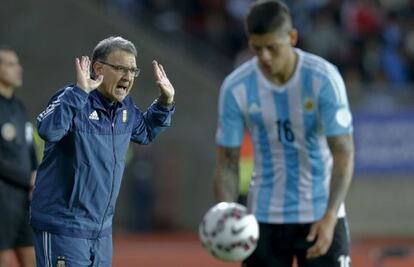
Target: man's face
[
  {"x": 273, "y": 50},
  {"x": 116, "y": 82},
  {"x": 10, "y": 69}
]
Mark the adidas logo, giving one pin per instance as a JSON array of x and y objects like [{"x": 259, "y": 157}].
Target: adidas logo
[
  {"x": 94, "y": 116},
  {"x": 254, "y": 108}
]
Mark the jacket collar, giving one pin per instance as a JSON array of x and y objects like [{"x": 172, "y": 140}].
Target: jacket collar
[{"x": 100, "y": 102}]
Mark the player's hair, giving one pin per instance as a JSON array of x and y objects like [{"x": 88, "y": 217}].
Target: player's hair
[
  {"x": 267, "y": 16},
  {"x": 109, "y": 45}
]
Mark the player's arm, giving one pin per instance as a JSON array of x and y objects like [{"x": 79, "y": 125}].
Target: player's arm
[
  {"x": 342, "y": 149},
  {"x": 226, "y": 175},
  {"x": 229, "y": 136}
]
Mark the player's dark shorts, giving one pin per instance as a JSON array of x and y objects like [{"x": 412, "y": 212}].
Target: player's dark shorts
[
  {"x": 279, "y": 244},
  {"x": 15, "y": 230}
]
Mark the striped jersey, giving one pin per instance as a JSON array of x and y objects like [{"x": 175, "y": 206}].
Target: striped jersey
[{"x": 288, "y": 126}]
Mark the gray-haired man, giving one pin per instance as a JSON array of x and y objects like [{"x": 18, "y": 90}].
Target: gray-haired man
[{"x": 87, "y": 128}]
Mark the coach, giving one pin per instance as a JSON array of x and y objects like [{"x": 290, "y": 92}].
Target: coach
[{"x": 87, "y": 133}]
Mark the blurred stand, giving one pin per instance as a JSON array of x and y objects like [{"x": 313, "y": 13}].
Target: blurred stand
[{"x": 398, "y": 254}]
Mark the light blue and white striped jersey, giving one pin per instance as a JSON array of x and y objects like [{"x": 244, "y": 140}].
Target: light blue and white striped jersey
[{"x": 288, "y": 125}]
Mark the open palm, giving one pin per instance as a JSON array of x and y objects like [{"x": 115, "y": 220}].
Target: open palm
[
  {"x": 83, "y": 77},
  {"x": 166, "y": 89}
]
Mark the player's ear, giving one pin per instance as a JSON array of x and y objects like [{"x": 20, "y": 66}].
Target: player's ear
[{"x": 293, "y": 36}]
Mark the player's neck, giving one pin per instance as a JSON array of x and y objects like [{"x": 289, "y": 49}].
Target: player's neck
[
  {"x": 6, "y": 91},
  {"x": 289, "y": 70}
]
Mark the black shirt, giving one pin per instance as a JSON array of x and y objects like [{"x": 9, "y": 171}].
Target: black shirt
[{"x": 17, "y": 152}]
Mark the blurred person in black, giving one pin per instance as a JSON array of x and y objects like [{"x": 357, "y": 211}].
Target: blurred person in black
[{"x": 17, "y": 166}]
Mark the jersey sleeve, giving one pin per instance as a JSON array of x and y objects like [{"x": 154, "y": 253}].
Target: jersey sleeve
[
  {"x": 333, "y": 106},
  {"x": 230, "y": 126}
]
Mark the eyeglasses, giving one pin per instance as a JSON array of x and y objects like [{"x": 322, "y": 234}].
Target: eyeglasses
[{"x": 123, "y": 70}]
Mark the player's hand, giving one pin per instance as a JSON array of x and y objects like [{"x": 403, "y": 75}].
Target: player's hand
[
  {"x": 166, "y": 89},
  {"x": 83, "y": 77},
  {"x": 322, "y": 233}
]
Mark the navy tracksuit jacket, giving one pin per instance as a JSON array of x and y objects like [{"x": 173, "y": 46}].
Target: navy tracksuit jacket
[{"x": 86, "y": 141}]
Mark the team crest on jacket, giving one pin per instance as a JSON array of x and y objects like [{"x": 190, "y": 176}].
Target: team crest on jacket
[
  {"x": 124, "y": 115},
  {"x": 308, "y": 105},
  {"x": 8, "y": 131},
  {"x": 61, "y": 262}
]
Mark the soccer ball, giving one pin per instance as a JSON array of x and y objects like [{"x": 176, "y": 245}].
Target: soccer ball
[{"x": 228, "y": 232}]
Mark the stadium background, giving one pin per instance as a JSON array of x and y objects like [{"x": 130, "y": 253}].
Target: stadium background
[{"x": 166, "y": 188}]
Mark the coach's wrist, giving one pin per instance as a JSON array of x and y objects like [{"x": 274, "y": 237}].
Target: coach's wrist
[
  {"x": 165, "y": 103},
  {"x": 165, "y": 100}
]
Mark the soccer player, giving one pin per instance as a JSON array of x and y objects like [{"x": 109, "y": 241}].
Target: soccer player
[
  {"x": 87, "y": 128},
  {"x": 17, "y": 166},
  {"x": 294, "y": 105}
]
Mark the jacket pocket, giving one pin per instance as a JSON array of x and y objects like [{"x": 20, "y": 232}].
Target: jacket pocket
[
  {"x": 80, "y": 173},
  {"x": 76, "y": 206},
  {"x": 90, "y": 193}
]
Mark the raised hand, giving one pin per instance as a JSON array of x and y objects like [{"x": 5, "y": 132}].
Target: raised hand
[
  {"x": 166, "y": 89},
  {"x": 83, "y": 78}
]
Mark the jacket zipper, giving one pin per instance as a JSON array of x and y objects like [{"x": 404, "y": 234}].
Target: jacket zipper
[{"x": 113, "y": 171}]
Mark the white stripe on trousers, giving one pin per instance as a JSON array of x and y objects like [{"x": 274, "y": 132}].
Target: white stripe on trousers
[{"x": 47, "y": 249}]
